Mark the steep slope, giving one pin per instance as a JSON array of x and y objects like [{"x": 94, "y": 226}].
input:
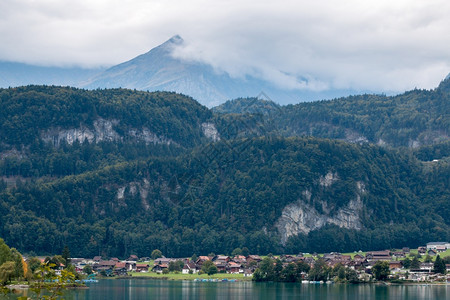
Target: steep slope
[
  {"x": 159, "y": 70},
  {"x": 61, "y": 131},
  {"x": 411, "y": 119},
  {"x": 260, "y": 193},
  {"x": 35, "y": 112},
  {"x": 120, "y": 171}
]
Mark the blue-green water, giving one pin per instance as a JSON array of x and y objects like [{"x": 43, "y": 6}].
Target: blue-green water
[{"x": 161, "y": 289}]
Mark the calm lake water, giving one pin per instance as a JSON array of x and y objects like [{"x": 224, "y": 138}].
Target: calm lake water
[{"x": 164, "y": 289}]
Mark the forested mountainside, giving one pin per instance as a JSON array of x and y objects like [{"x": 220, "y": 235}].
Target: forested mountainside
[
  {"x": 116, "y": 172},
  {"x": 412, "y": 119},
  {"x": 269, "y": 195},
  {"x": 59, "y": 131},
  {"x": 36, "y": 112}
]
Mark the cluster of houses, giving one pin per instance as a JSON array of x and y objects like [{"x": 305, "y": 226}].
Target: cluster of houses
[
  {"x": 238, "y": 264},
  {"x": 246, "y": 265},
  {"x": 434, "y": 248},
  {"x": 114, "y": 267},
  {"x": 364, "y": 263}
]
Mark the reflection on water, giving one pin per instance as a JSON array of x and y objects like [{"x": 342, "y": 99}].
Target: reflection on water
[{"x": 160, "y": 289}]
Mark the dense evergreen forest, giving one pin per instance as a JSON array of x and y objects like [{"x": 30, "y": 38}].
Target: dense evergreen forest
[
  {"x": 29, "y": 111},
  {"x": 120, "y": 172},
  {"x": 412, "y": 119}
]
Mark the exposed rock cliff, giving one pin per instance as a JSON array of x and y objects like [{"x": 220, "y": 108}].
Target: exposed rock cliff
[
  {"x": 103, "y": 130},
  {"x": 131, "y": 189},
  {"x": 301, "y": 217},
  {"x": 210, "y": 131}
]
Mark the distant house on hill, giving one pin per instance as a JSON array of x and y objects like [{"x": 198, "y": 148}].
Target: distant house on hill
[
  {"x": 120, "y": 269},
  {"x": 162, "y": 260},
  {"x": 159, "y": 268},
  {"x": 133, "y": 258},
  {"x": 234, "y": 268},
  {"x": 438, "y": 246},
  {"x": 395, "y": 265},
  {"x": 141, "y": 267},
  {"x": 201, "y": 259},
  {"x": 221, "y": 265},
  {"x": 426, "y": 266},
  {"x": 358, "y": 257},
  {"x": 378, "y": 255},
  {"x": 221, "y": 258},
  {"x": 189, "y": 267},
  {"x": 240, "y": 259},
  {"x": 255, "y": 258},
  {"x": 104, "y": 265},
  {"x": 399, "y": 254},
  {"x": 310, "y": 261}
]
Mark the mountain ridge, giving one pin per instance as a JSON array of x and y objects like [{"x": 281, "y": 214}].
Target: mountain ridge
[
  {"x": 117, "y": 171},
  {"x": 159, "y": 70}
]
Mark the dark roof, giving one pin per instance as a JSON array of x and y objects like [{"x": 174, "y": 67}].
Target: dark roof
[{"x": 107, "y": 263}]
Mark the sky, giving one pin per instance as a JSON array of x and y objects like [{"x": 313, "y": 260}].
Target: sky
[{"x": 380, "y": 46}]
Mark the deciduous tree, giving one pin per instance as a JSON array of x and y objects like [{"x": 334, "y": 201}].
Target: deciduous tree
[
  {"x": 7, "y": 271},
  {"x": 156, "y": 254},
  {"x": 381, "y": 270}
]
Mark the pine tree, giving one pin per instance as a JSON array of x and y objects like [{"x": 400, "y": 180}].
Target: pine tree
[
  {"x": 439, "y": 265},
  {"x": 66, "y": 256}
]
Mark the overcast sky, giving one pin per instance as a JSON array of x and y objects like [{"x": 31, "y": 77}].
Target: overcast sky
[{"x": 376, "y": 45}]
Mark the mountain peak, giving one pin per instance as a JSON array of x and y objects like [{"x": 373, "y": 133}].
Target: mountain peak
[
  {"x": 169, "y": 45},
  {"x": 175, "y": 40},
  {"x": 445, "y": 84}
]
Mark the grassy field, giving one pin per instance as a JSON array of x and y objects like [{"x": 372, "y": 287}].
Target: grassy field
[
  {"x": 413, "y": 251},
  {"x": 441, "y": 254},
  {"x": 444, "y": 254},
  {"x": 352, "y": 254},
  {"x": 180, "y": 276}
]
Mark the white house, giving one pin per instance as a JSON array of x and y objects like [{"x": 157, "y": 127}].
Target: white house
[
  {"x": 439, "y": 246},
  {"x": 189, "y": 267}
]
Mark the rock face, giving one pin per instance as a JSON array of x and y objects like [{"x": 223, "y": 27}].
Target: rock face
[
  {"x": 210, "y": 131},
  {"x": 355, "y": 137},
  {"x": 103, "y": 131},
  {"x": 301, "y": 217},
  {"x": 328, "y": 179},
  {"x": 149, "y": 137},
  {"x": 132, "y": 189}
]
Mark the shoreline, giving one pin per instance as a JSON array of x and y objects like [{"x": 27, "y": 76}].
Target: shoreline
[
  {"x": 215, "y": 279},
  {"x": 27, "y": 286},
  {"x": 383, "y": 283}
]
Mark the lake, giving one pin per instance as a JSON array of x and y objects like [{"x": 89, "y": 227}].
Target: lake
[{"x": 165, "y": 289}]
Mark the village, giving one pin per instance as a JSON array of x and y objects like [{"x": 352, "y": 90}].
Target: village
[{"x": 413, "y": 265}]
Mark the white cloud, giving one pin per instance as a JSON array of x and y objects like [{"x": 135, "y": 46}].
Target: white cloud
[{"x": 368, "y": 45}]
